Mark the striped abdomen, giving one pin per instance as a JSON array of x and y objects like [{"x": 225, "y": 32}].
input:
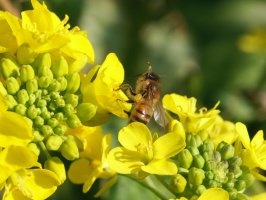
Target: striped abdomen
[{"x": 142, "y": 112}]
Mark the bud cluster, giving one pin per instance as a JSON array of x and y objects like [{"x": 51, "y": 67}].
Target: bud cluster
[
  {"x": 201, "y": 166},
  {"x": 44, "y": 92}
]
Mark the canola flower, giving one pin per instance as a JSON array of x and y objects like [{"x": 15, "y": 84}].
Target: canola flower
[{"x": 48, "y": 107}]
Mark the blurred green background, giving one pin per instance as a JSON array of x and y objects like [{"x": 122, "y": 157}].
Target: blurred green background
[{"x": 193, "y": 45}]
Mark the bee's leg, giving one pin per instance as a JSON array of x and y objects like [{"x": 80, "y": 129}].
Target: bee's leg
[
  {"x": 128, "y": 90},
  {"x": 127, "y": 112},
  {"x": 131, "y": 101}
]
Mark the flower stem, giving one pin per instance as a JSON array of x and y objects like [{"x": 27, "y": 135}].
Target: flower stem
[
  {"x": 165, "y": 184},
  {"x": 146, "y": 185},
  {"x": 43, "y": 148}
]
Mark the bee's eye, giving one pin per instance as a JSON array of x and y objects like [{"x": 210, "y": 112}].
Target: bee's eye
[{"x": 152, "y": 76}]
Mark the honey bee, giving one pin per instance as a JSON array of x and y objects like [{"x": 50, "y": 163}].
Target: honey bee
[{"x": 146, "y": 99}]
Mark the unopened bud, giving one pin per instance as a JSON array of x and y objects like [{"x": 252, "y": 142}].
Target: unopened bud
[
  {"x": 25, "y": 54},
  {"x": 12, "y": 85},
  {"x": 8, "y": 68},
  {"x": 20, "y": 109},
  {"x": 60, "y": 129},
  {"x": 53, "y": 122},
  {"x": 32, "y": 112},
  {"x": 54, "y": 86},
  {"x": 68, "y": 110},
  {"x": 44, "y": 81},
  {"x": 198, "y": 161},
  {"x": 63, "y": 83},
  {"x": 178, "y": 183},
  {"x": 185, "y": 158},
  {"x": 200, "y": 189},
  {"x": 73, "y": 82},
  {"x": 11, "y": 102},
  {"x": 86, "y": 111},
  {"x": 26, "y": 73},
  {"x": 195, "y": 176},
  {"x": 42, "y": 60},
  {"x": 248, "y": 178},
  {"x": 73, "y": 121},
  {"x": 71, "y": 99},
  {"x": 23, "y": 96},
  {"x": 69, "y": 149},
  {"x": 60, "y": 67},
  {"x": 32, "y": 86},
  {"x": 39, "y": 121},
  {"x": 34, "y": 148},
  {"x": 45, "y": 71},
  {"x": 53, "y": 142},
  {"x": 46, "y": 130},
  {"x": 227, "y": 152},
  {"x": 240, "y": 185},
  {"x": 37, "y": 136},
  {"x": 241, "y": 196},
  {"x": 57, "y": 166}
]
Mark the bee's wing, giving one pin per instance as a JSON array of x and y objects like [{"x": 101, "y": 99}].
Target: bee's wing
[{"x": 160, "y": 115}]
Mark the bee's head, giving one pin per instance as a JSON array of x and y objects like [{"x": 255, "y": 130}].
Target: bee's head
[{"x": 151, "y": 75}]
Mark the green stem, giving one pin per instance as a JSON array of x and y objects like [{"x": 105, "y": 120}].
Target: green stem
[
  {"x": 165, "y": 185},
  {"x": 43, "y": 148},
  {"x": 142, "y": 183}
]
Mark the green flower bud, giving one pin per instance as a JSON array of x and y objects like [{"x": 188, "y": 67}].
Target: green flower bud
[
  {"x": 198, "y": 161},
  {"x": 57, "y": 166},
  {"x": 32, "y": 112},
  {"x": 240, "y": 185},
  {"x": 227, "y": 152},
  {"x": 60, "y": 67},
  {"x": 69, "y": 149},
  {"x": 54, "y": 86},
  {"x": 32, "y": 86},
  {"x": 73, "y": 82},
  {"x": 220, "y": 146},
  {"x": 37, "y": 136},
  {"x": 11, "y": 102},
  {"x": 60, "y": 102},
  {"x": 73, "y": 121},
  {"x": 25, "y": 54},
  {"x": 198, "y": 140},
  {"x": 209, "y": 175},
  {"x": 46, "y": 130},
  {"x": 71, "y": 99},
  {"x": 20, "y": 109},
  {"x": 53, "y": 122},
  {"x": 178, "y": 183},
  {"x": 193, "y": 150},
  {"x": 12, "y": 85},
  {"x": 42, "y": 60},
  {"x": 217, "y": 156},
  {"x": 63, "y": 83},
  {"x": 229, "y": 185},
  {"x": 207, "y": 146},
  {"x": 44, "y": 81},
  {"x": 45, "y": 71},
  {"x": 46, "y": 114},
  {"x": 195, "y": 176},
  {"x": 185, "y": 158},
  {"x": 200, "y": 189},
  {"x": 86, "y": 111},
  {"x": 213, "y": 184},
  {"x": 39, "y": 121},
  {"x": 22, "y": 96},
  {"x": 26, "y": 73},
  {"x": 68, "y": 110},
  {"x": 34, "y": 148},
  {"x": 53, "y": 142},
  {"x": 248, "y": 178},
  {"x": 8, "y": 68},
  {"x": 235, "y": 161},
  {"x": 237, "y": 171},
  {"x": 60, "y": 129},
  {"x": 59, "y": 116},
  {"x": 41, "y": 103}
]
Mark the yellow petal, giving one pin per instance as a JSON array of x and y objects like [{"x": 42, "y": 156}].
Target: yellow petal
[
  {"x": 258, "y": 140},
  {"x": 40, "y": 183},
  {"x": 261, "y": 196},
  {"x": 243, "y": 134},
  {"x": 89, "y": 182},
  {"x": 14, "y": 129},
  {"x": 168, "y": 145},
  {"x": 14, "y": 194},
  {"x": 133, "y": 135},
  {"x": 106, "y": 186},
  {"x": 123, "y": 161},
  {"x": 214, "y": 193},
  {"x": 160, "y": 167},
  {"x": 177, "y": 103},
  {"x": 80, "y": 170}
]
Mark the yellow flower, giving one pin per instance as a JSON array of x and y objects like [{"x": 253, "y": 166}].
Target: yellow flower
[
  {"x": 20, "y": 181},
  {"x": 185, "y": 108},
  {"x": 101, "y": 88},
  {"x": 93, "y": 160},
  {"x": 254, "y": 154},
  {"x": 214, "y": 193},
  {"x": 40, "y": 31},
  {"x": 221, "y": 130},
  {"x": 14, "y": 129},
  {"x": 140, "y": 154}
]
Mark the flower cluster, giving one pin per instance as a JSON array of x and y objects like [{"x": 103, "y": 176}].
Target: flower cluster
[{"x": 51, "y": 114}]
